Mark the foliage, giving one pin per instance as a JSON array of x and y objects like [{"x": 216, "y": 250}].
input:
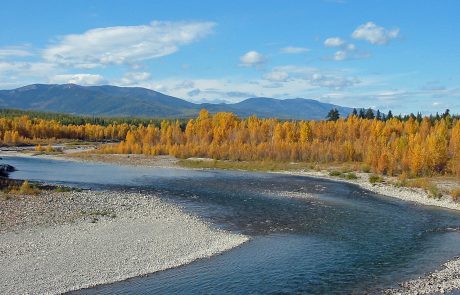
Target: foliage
[
  {"x": 416, "y": 146},
  {"x": 388, "y": 147}
]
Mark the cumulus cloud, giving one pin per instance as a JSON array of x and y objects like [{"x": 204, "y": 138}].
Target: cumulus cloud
[
  {"x": 80, "y": 79},
  {"x": 124, "y": 44},
  {"x": 294, "y": 50},
  {"x": 334, "y": 42},
  {"x": 375, "y": 34},
  {"x": 252, "y": 59}
]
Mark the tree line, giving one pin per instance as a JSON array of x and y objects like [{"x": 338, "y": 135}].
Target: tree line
[
  {"x": 393, "y": 146},
  {"x": 334, "y": 115},
  {"x": 66, "y": 119}
]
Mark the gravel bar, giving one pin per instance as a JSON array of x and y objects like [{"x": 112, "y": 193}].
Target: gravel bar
[{"x": 75, "y": 240}]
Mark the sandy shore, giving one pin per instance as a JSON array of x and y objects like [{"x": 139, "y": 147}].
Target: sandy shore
[{"x": 66, "y": 241}]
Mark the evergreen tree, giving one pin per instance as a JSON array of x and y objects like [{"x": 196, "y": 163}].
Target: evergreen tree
[
  {"x": 390, "y": 115},
  {"x": 369, "y": 114},
  {"x": 333, "y": 115},
  {"x": 379, "y": 115}
]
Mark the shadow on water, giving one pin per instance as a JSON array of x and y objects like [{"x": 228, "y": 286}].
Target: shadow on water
[{"x": 309, "y": 235}]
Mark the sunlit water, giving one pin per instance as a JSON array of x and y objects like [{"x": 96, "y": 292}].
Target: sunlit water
[{"x": 309, "y": 236}]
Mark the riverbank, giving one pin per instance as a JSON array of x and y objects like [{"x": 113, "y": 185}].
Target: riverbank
[
  {"x": 442, "y": 281},
  {"x": 385, "y": 188},
  {"x": 56, "y": 242}
]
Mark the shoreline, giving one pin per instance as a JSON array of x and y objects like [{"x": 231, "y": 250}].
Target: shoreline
[
  {"x": 120, "y": 236},
  {"x": 408, "y": 194}
]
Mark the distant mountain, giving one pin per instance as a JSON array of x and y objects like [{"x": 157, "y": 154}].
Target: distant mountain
[{"x": 140, "y": 102}]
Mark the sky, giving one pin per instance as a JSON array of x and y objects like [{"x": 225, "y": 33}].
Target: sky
[{"x": 398, "y": 55}]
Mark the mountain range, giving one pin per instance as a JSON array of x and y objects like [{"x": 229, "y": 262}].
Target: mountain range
[{"x": 114, "y": 101}]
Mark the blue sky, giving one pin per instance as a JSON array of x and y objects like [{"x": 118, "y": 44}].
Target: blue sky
[{"x": 399, "y": 55}]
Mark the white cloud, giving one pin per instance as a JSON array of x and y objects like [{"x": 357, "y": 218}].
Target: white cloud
[
  {"x": 349, "y": 51},
  {"x": 340, "y": 55},
  {"x": 375, "y": 34},
  {"x": 276, "y": 76},
  {"x": 311, "y": 77},
  {"x": 125, "y": 44},
  {"x": 80, "y": 79},
  {"x": 251, "y": 59},
  {"x": 294, "y": 50},
  {"x": 334, "y": 42},
  {"x": 185, "y": 84},
  {"x": 133, "y": 78},
  {"x": 14, "y": 51},
  {"x": 350, "y": 47},
  {"x": 333, "y": 82},
  {"x": 26, "y": 69}
]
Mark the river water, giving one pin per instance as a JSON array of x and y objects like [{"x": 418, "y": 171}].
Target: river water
[{"x": 309, "y": 236}]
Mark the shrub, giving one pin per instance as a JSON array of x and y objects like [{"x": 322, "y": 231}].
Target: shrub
[
  {"x": 49, "y": 149},
  {"x": 434, "y": 191},
  {"x": 62, "y": 189},
  {"x": 429, "y": 187},
  {"x": 27, "y": 189},
  {"x": 375, "y": 179},
  {"x": 350, "y": 176},
  {"x": 335, "y": 173},
  {"x": 39, "y": 148},
  {"x": 365, "y": 168},
  {"x": 455, "y": 193}
]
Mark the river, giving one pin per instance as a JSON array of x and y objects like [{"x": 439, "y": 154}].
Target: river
[{"x": 309, "y": 235}]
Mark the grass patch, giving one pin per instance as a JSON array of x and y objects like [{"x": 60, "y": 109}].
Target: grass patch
[
  {"x": 98, "y": 213},
  {"x": 375, "y": 179},
  {"x": 62, "y": 189},
  {"x": 243, "y": 165},
  {"x": 344, "y": 175},
  {"x": 335, "y": 173},
  {"x": 426, "y": 185},
  {"x": 350, "y": 176}
]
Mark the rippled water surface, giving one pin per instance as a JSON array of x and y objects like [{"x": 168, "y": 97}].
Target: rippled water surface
[{"x": 309, "y": 236}]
